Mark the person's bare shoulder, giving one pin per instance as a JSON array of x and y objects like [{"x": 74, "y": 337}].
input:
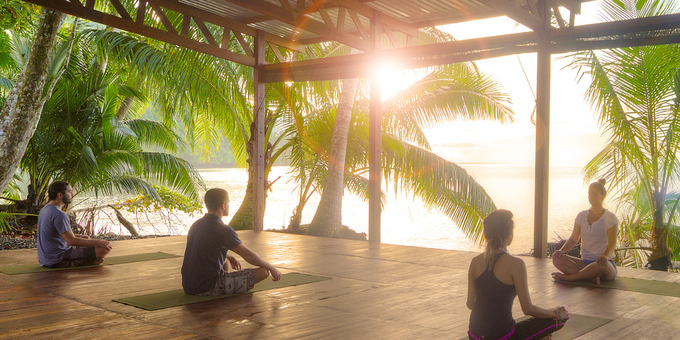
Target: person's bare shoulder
[
  {"x": 515, "y": 262},
  {"x": 479, "y": 259},
  {"x": 477, "y": 265}
]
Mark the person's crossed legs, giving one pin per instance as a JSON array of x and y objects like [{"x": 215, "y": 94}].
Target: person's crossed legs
[{"x": 576, "y": 269}]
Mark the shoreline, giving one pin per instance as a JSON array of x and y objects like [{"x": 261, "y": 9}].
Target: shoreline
[{"x": 19, "y": 242}]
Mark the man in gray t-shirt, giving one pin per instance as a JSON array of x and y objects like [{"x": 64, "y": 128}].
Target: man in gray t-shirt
[
  {"x": 58, "y": 246},
  {"x": 207, "y": 268}
]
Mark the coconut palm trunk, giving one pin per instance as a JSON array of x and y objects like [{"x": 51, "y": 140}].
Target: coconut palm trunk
[
  {"x": 244, "y": 218},
  {"x": 21, "y": 113},
  {"x": 328, "y": 217},
  {"x": 661, "y": 255}
]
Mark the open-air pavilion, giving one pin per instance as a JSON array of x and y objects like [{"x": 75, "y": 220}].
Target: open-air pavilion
[
  {"x": 369, "y": 294},
  {"x": 377, "y": 29}
]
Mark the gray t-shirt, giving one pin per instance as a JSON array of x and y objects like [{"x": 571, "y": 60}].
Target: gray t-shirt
[
  {"x": 208, "y": 241},
  {"x": 52, "y": 222}
]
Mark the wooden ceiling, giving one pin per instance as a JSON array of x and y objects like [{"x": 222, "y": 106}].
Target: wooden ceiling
[{"x": 376, "y": 27}]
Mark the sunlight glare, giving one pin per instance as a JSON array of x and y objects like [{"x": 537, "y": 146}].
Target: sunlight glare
[{"x": 392, "y": 79}]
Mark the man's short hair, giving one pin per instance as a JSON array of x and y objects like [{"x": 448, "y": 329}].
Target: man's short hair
[
  {"x": 55, "y": 188},
  {"x": 214, "y": 198}
]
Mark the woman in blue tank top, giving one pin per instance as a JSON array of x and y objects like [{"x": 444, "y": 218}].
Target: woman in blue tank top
[{"x": 494, "y": 279}]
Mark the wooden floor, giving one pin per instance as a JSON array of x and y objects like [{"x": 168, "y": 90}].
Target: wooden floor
[{"x": 387, "y": 292}]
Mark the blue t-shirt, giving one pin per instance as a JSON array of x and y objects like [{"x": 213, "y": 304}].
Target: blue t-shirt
[
  {"x": 208, "y": 241},
  {"x": 52, "y": 222}
]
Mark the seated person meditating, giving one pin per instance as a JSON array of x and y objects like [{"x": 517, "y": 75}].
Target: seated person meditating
[
  {"x": 494, "y": 279},
  {"x": 207, "y": 268},
  {"x": 58, "y": 246},
  {"x": 597, "y": 228}
]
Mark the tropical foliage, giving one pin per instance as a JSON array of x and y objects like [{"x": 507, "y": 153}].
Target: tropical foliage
[
  {"x": 636, "y": 91},
  {"x": 91, "y": 131},
  {"x": 82, "y": 138},
  {"x": 448, "y": 92},
  {"x": 209, "y": 99}
]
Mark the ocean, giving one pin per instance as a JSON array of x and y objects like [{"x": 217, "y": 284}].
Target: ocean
[{"x": 406, "y": 221}]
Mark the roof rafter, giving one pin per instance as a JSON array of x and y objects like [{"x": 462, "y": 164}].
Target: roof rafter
[
  {"x": 516, "y": 13},
  {"x": 76, "y": 8},
  {"x": 300, "y": 21},
  {"x": 387, "y": 20},
  {"x": 656, "y": 30},
  {"x": 224, "y": 22}
]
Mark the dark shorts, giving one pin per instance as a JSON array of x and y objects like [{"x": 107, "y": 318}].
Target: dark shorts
[
  {"x": 76, "y": 257},
  {"x": 233, "y": 283},
  {"x": 610, "y": 261}
]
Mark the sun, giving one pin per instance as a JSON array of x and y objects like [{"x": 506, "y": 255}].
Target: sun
[{"x": 393, "y": 78}]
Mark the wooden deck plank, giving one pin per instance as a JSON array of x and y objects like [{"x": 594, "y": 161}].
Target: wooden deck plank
[{"x": 386, "y": 292}]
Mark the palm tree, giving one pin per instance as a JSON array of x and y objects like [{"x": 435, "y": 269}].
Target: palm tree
[
  {"x": 81, "y": 138},
  {"x": 22, "y": 105},
  {"x": 636, "y": 91},
  {"x": 448, "y": 92}
]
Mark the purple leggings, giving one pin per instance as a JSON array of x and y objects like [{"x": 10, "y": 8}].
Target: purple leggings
[{"x": 531, "y": 328}]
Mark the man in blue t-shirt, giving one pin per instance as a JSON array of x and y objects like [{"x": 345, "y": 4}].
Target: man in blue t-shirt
[
  {"x": 58, "y": 246},
  {"x": 207, "y": 268}
]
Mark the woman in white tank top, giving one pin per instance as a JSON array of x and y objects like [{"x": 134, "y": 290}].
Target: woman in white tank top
[{"x": 597, "y": 228}]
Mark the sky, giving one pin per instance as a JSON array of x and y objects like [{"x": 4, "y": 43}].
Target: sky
[{"x": 574, "y": 134}]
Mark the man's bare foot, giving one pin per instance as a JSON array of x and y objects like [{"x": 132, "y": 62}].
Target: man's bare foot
[
  {"x": 98, "y": 261},
  {"x": 558, "y": 276},
  {"x": 596, "y": 281}
]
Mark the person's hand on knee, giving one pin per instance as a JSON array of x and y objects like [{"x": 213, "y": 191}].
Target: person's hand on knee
[{"x": 275, "y": 273}]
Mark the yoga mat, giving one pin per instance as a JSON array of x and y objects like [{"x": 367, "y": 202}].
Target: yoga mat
[
  {"x": 35, "y": 268},
  {"x": 634, "y": 285},
  {"x": 177, "y": 297},
  {"x": 576, "y": 326}
]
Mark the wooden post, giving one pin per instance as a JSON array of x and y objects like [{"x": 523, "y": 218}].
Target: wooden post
[
  {"x": 258, "y": 119},
  {"x": 542, "y": 166},
  {"x": 374, "y": 143}
]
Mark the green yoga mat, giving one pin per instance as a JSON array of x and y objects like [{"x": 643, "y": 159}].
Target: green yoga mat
[
  {"x": 576, "y": 326},
  {"x": 177, "y": 297},
  {"x": 35, "y": 268},
  {"x": 634, "y": 285}
]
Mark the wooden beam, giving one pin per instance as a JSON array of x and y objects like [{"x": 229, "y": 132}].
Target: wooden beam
[
  {"x": 120, "y": 9},
  {"x": 386, "y": 20},
  {"x": 163, "y": 18},
  {"x": 302, "y": 22},
  {"x": 223, "y": 22},
  {"x": 563, "y": 41},
  {"x": 571, "y": 46},
  {"x": 558, "y": 16},
  {"x": 324, "y": 14},
  {"x": 617, "y": 28},
  {"x": 574, "y": 6},
  {"x": 341, "y": 18},
  {"x": 358, "y": 65},
  {"x": 150, "y": 32},
  {"x": 277, "y": 53},
  {"x": 375, "y": 142},
  {"x": 286, "y": 5},
  {"x": 516, "y": 13},
  {"x": 360, "y": 27},
  {"x": 244, "y": 44},
  {"x": 259, "y": 113},
  {"x": 206, "y": 32},
  {"x": 141, "y": 12},
  {"x": 186, "y": 24},
  {"x": 542, "y": 165}
]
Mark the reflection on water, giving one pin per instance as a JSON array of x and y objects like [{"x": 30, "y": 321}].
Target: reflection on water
[{"x": 406, "y": 221}]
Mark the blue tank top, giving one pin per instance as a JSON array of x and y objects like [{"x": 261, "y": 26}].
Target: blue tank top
[{"x": 491, "y": 316}]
